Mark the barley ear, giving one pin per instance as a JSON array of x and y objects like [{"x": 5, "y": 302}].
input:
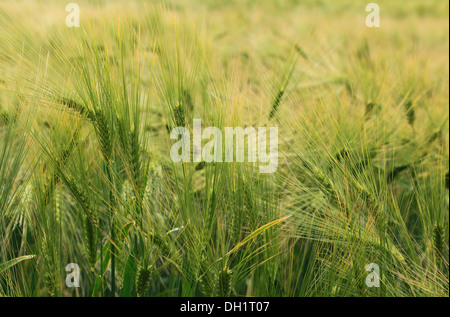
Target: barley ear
[
  {"x": 179, "y": 115},
  {"x": 410, "y": 113},
  {"x": 206, "y": 278},
  {"x": 72, "y": 104},
  {"x": 224, "y": 283},
  {"x": 90, "y": 241},
  {"x": 143, "y": 276},
  {"x": 103, "y": 134},
  {"x": 276, "y": 102},
  {"x": 50, "y": 261}
]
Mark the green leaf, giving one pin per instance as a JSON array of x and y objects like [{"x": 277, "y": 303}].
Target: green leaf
[
  {"x": 256, "y": 233},
  {"x": 128, "y": 277},
  {"x": 126, "y": 230},
  {"x": 8, "y": 264},
  {"x": 104, "y": 267}
]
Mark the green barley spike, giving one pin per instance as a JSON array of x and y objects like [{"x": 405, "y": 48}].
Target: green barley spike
[
  {"x": 104, "y": 135},
  {"x": 276, "y": 102},
  {"x": 179, "y": 115},
  {"x": 224, "y": 283},
  {"x": 410, "y": 113},
  {"x": 90, "y": 241},
  {"x": 207, "y": 278},
  {"x": 300, "y": 51},
  {"x": 72, "y": 104},
  {"x": 49, "y": 259},
  {"x": 370, "y": 106},
  {"x": 143, "y": 276}
]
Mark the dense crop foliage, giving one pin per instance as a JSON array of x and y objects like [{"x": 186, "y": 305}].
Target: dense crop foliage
[{"x": 86, "y": 176}]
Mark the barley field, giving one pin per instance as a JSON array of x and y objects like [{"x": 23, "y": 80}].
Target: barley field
[{"x": 92, "y": 203}]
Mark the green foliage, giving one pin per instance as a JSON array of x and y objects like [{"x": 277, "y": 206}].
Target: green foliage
[{"x": 86, "y": 176}]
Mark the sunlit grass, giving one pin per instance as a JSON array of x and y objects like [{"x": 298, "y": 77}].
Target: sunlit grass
[{"x": 86, "y": 176}]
